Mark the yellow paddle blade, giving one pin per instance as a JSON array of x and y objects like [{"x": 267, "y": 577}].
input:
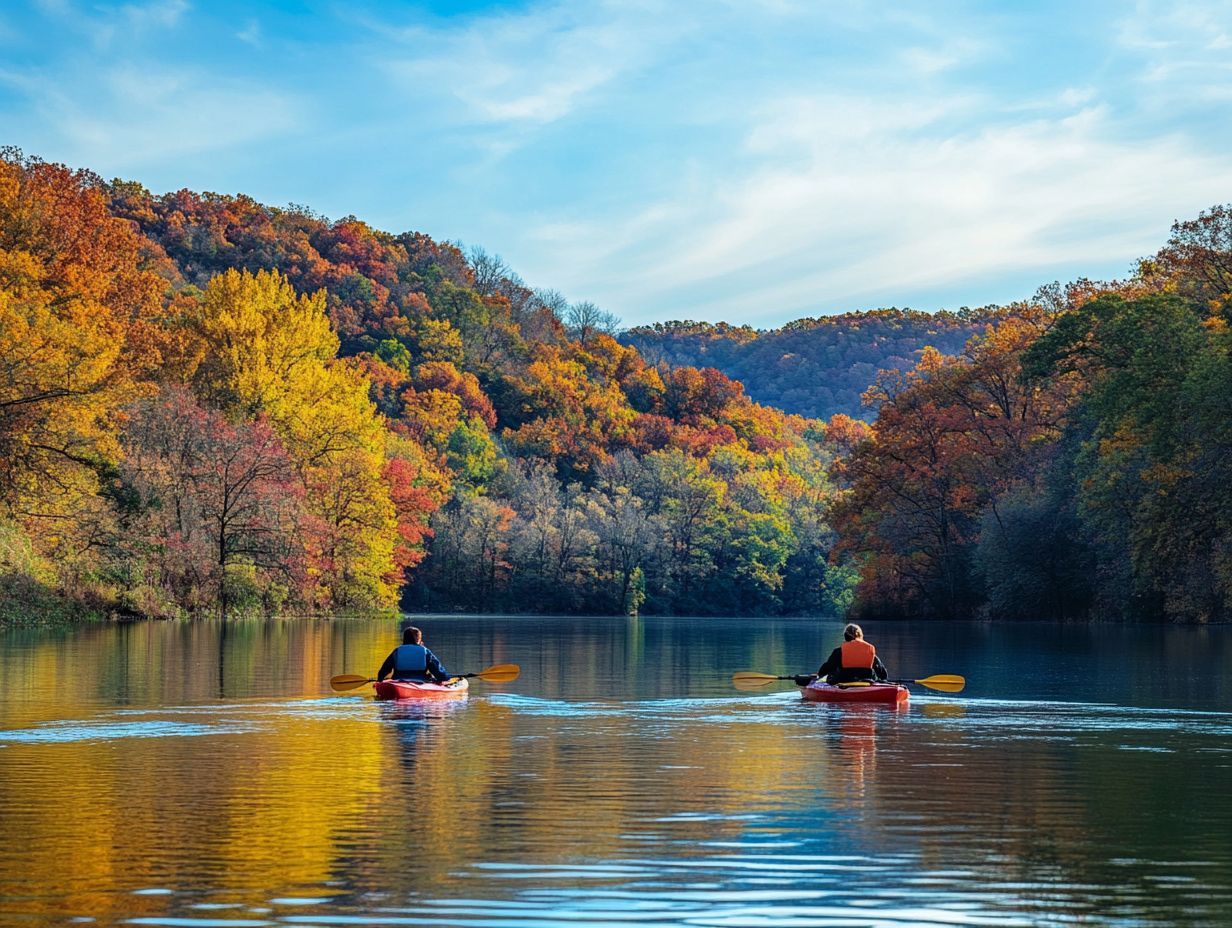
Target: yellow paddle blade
[
  {"x": 348, "y": 681},
  {"x": 499, "y": 673},
  {"x": 945, "y": 682}
]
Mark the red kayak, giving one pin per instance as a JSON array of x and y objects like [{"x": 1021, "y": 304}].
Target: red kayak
[
  {"x": 409, "y": 689},
  {"x": 885, "y": 693}
]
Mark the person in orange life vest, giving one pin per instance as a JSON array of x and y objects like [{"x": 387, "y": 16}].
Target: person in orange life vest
[
  {"x": 854, "y": 659},
  {"x": 412, "y": 661}
]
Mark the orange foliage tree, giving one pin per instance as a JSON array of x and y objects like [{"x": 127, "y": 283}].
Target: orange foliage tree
[{"x": 951, "y": 436}]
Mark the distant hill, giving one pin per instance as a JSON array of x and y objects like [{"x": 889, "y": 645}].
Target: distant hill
[{"x": 812, "y": 367}]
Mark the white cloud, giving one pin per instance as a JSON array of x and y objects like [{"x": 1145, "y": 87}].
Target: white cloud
[
  {"x": 883, "y": 206},
  {"x": 1178, "y": 37},
  {"x": 532, "y": 67},
  {"x": 108, "y": 25},
  {"x": 250, "y": 34},
  {"x": 158, "y": 14},
  {"x": 143, "y": 115},
  {"x": 728, "y": 160}
]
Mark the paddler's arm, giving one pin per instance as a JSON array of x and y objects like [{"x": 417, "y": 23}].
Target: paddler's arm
[
  {"x": 435, "y": 668},
  {"x": 833, "y": 663},
  {"x": 879, "y": 670},
  {"x": 388, "y": 666}
]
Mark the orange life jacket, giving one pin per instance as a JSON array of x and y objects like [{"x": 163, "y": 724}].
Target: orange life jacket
[{"x": 858, "y": 655}]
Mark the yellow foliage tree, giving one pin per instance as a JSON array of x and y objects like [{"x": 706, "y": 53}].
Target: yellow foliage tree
[
  {"x": 270, "y": 350},
  {"x": 71, "y": 293}
]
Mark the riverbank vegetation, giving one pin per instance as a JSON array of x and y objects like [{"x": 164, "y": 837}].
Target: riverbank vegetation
[
  {"x": 1071, "y": 462},
  {"x": 210, "y": 404}
]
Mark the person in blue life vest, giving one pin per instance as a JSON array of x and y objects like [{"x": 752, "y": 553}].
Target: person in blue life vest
[
  {"x": 412, "y": 661},
  {"x": 855, "y": 659}
]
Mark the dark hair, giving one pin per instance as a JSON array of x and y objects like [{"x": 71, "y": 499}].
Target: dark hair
[
  {"x": 412, "y": 635},
  {"x": 852, "y": 632}
]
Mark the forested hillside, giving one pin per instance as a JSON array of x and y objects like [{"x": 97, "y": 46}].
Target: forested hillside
[
  {"x": 208, "y": 403},
  {"x": 811, "y": 367},
  {"x": 1073, "y": 462}
]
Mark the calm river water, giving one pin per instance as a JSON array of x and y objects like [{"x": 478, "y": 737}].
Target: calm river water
[{"x": 204, "y": 775}]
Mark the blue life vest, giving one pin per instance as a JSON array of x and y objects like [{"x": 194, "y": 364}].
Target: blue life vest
[{"x": 411, "y": 662}]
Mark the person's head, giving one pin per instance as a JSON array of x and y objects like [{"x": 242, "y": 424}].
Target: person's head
[
  {"x": 852, "y": 632},
  {"x": 412, "y": 635}
]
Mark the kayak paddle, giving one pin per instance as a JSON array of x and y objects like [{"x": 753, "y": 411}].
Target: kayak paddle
[
  {"x": 349, "y": 681},
  {"x": 497, "y": 673},
  {"x": 751, "y": 680},
  {"x": 945, "y": 682}
]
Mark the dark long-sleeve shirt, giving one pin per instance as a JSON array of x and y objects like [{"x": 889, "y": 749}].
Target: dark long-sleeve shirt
[
  {"x": 833, "y": 671},
  {"x": 436, "y": 670}
]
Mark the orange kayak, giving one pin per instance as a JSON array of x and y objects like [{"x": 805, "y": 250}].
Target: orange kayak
[
  {"x": 409, "y": 689},
  {"x": 885, "y": 693}
]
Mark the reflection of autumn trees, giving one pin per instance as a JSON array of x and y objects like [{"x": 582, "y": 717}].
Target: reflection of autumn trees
[
  {"x": 289, "y": 793},
  {"x": 415, "y": 800}
]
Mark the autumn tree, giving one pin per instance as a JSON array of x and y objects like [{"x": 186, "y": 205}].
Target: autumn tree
[
  {"x": 552, "y": 544},
  {"x": 1149, "y": 448},
  {"x": 1196, "y": 262},
  {"x": 271, "y": 351},
  {"x": 585, "y": 320},
  {"x": 213, "y": 501},
  {"x": 69, "y": 287},
  {"x": 627, "y": 538},
  {"x": 951, "y": 437}
]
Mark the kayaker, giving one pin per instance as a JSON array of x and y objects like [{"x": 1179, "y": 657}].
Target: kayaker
[
  {"x": 854, "y": 659},
  {"x": 412, "y": 661}
]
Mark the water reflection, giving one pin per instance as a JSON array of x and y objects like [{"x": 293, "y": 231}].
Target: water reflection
[{"x": 214, "y": 780}]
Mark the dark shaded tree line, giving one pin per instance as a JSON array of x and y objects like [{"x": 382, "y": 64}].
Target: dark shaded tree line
[{"x": 1073, "y": 461}]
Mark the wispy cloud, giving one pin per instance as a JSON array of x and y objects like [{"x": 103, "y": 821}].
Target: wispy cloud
[
  {"x": 165, "y": 114},
  {"x": 530, "y": 67},
  {"x": 117, "y": 94},
  {"x": 1186, "y": 40},
  {"x": 142, "y": 116},
  {"x": 754, "y": 161},
  {"x": 854, "y": 202},
  {"x": 107, "y": 24},
  {"x": 251, "y": 34}
]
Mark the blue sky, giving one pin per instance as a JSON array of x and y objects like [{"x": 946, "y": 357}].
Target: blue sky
[{"x": 752, "y": 161}]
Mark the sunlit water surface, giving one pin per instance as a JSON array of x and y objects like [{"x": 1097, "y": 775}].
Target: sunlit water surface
[{"x": 204, "y": 775}]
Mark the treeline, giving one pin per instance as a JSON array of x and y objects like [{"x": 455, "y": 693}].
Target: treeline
[
  {"x": 668, "y": 532},
  {"x": 207, "y": 403},
  {"x": 210, "y": 403},
  {"x": 812, "y": 367},
  {"x": 1072, "y": 462}
]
